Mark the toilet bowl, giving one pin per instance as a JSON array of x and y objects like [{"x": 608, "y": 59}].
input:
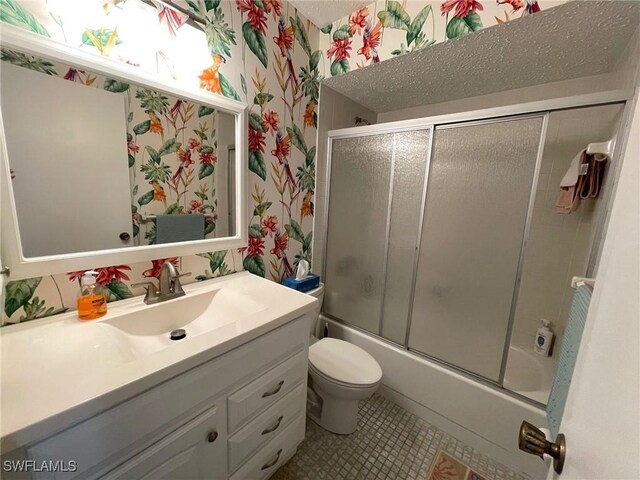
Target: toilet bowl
[{"x": 340, "y": 374}]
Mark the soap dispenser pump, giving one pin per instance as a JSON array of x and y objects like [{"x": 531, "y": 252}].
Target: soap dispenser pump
[
  {"x": 544, "y": 339},
  {"x": 92, "y": 300}
]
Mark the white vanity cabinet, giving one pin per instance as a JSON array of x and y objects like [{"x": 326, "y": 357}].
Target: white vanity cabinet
[{"x": 240, "y": 415}]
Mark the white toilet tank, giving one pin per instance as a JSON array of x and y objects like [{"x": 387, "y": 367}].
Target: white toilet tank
[{"x": 319, "y": 294}]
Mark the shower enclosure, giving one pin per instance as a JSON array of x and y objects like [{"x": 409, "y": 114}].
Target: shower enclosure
[{"x": 429, "y": 223}]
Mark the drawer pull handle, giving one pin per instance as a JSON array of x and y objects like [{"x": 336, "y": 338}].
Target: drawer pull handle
[
  {"x": 272, "y": 462},
  {"x": 274, "y": 391},
  {"x": 212, "y": 436},
  {"x": 274, "y": 428}
]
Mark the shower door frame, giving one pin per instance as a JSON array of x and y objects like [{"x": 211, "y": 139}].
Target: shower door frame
[
  {"x": 523, "y": 243},
  {"x": 490, "y": 115}
]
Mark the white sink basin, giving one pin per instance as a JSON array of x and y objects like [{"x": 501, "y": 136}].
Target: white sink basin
[{"x": 147, "y": 330}]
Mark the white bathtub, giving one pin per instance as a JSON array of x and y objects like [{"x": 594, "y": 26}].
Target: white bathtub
[
  {"x": 528, "y": 373},
  {"x": 484, "y": 417}
]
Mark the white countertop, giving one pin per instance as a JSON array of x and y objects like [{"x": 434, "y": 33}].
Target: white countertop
[{"x": 60, "y": 370}]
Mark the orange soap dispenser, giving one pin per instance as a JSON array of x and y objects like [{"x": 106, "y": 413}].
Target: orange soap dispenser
[{"x": 92, "y": 300}]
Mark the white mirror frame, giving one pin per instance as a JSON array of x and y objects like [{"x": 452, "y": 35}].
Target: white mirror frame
[{"x": 11, "y": 253}]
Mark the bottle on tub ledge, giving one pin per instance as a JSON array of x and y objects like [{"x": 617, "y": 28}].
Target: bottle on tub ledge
[{"x": 544, "y": 339}]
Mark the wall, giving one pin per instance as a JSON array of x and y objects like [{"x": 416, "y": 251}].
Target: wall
[
  {"x": 384, "y": 29},
  {"x": 559, "y": 245},
  {"x": 273, "y": 66}
]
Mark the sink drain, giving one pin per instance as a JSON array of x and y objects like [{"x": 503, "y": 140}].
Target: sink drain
[{"x": 178, "y": 334}]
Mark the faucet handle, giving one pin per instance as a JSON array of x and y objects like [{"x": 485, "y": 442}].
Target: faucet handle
[
  {"x": 177, "y": 286},
  {"x": 152, "y": 290},
  {"x": 148, "y": 284}
]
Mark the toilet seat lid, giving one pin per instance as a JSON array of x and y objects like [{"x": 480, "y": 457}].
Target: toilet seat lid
[{"x": 345, "y": 362}]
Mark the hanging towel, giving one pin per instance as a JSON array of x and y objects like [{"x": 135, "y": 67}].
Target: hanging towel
[
  {"x": 179, "y": 228},
  {"x": 596, "y": 165},
  {"x": 582, "y": 180},
  {"x": 569, "y": 198}
]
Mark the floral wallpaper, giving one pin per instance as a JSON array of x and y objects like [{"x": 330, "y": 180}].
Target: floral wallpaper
[
  {"x": 260, "y": 52},
  {"x": 387, "y": 28},
  {"x": 172, "y": 156}
]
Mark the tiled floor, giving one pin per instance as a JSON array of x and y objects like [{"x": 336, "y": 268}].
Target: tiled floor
[{"x": 390, "y": 443}]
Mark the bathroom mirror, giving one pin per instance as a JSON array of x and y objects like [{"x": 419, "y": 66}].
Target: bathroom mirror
[{"x": 102, "y": 164}]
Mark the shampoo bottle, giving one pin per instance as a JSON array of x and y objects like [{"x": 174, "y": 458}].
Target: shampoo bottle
[
  {"x": 544, "y": 339},
  {"x": 92, "y": 300}
]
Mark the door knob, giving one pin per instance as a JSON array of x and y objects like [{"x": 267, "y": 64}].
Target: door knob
[
  {"x": 124, "y": 236},
  {"x": 213, "y": 435},
  {"x": 533, "y": 440}
]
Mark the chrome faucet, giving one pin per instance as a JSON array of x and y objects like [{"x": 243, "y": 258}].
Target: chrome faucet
[{"x": 169, "y": 285}]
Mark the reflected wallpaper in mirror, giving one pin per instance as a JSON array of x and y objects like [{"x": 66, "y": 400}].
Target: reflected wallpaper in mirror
[{"x": 139, "y": 166}]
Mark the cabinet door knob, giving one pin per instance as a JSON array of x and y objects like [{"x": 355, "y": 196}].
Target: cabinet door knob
[
  {"x": 124, "y": 236},
  {"x": 212, "y": 436}
]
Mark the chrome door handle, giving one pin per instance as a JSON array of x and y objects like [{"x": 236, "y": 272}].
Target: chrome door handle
[
  {"x": 532, "y": 440},
  {"x": 274, "y": 391},
  {"x": 272, "y": 462},
  {"x": 275, "y": 427}
]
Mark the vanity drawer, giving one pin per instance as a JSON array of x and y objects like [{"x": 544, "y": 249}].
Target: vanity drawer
[
  {"x": 119, "y": 433},
  {"x": 264, "y": 463},
  {"x": 267, "y": 426},
  {"x": 266, "y": 390}
]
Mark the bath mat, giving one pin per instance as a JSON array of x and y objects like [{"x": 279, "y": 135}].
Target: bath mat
[{"x": 446, "y": 467}]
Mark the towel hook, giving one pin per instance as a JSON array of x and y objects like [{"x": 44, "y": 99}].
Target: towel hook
[
  {"x": 576, "y": 281},
  {"x": 602, "y": 148}
]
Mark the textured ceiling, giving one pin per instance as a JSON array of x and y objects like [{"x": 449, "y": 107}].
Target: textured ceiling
[
  {"x": 323, "y": 12},
  {"x": 573, "y": 40}
]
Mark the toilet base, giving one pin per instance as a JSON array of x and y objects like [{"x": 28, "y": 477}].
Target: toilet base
[
  {"x": 338, "y": 416},
  {"x": 335, "y": 407}
]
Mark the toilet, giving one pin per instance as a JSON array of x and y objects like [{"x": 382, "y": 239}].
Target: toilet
[{"x": 340, "y": 374}]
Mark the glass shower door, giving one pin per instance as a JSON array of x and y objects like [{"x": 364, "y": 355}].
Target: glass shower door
[
  {"x": 377, "y": 184},
  {"x": 479, "y": 187},
  {"x": 356, "y": 224}
]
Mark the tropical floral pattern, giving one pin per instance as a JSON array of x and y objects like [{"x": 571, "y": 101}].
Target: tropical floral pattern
[
  {"x": 259, "y": 52},
  {"x": 387, "y": 28}
]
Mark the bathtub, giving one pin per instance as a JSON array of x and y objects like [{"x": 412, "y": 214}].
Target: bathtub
[
  {"x": 483, "y": 416},
  {"x": 528, "y": 373}
]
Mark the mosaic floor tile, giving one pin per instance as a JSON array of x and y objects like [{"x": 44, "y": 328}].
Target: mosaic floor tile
[{"x": 390, "y": 444}]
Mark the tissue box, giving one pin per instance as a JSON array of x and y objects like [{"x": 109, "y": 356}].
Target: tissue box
[{"x": 305, "y": 284}]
